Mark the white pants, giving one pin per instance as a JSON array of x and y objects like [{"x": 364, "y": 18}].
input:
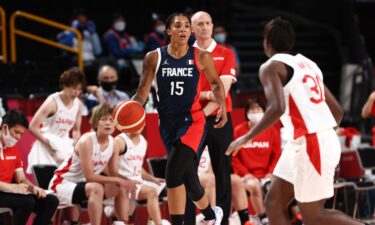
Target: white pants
[{"x": 311, "y": 183}]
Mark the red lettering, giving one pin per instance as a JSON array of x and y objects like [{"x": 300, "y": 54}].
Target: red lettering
[{"x": 316, "y": 88}]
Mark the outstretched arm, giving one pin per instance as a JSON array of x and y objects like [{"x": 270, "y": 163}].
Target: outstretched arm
[
  {"x": 147, "y": 75},
  {"x": 270, "y": 76}
]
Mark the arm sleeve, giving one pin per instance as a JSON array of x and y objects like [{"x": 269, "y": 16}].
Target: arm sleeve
[{"x": 276, "y": 148}]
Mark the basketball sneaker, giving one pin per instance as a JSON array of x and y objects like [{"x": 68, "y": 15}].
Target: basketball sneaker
[{"x": 218, "y": 217}]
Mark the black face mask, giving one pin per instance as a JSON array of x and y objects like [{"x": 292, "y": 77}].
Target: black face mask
[{"x": 108, "y": 86}]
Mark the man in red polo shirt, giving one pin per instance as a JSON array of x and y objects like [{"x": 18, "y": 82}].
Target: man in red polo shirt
[
  {"x": 217, "y": 140},
  {"x": 21, "y": 196}
]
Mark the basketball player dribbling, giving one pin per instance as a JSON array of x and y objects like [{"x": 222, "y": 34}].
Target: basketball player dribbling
[
  {"x": 294, "y": 88},
  {"x": 176, "y": 68}
]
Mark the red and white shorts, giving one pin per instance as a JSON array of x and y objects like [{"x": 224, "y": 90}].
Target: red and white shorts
[{"x": 309, "y": 163}]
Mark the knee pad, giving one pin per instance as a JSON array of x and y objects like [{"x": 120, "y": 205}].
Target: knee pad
[{"x": 173, "y": 178}]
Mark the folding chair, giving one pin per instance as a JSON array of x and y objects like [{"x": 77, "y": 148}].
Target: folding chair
[
  {"x": 157, "y": 166},
  {"x": 43, "y": 174},
  {"x": 8, "y": 211},
  {"x": 351, "y": 167}
]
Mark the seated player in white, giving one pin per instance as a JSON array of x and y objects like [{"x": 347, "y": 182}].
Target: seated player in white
[
  {"x": 207, "y": 176},
  {"x": 132, "y": 152},
  {"x": 78, "y": 178}
]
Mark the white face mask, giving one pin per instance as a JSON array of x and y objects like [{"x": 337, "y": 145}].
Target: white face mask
[
  {"x": 255, "y": 117},
  {"x": 160, "y": 28},
  {"x": 120, "y": 26},
  {"x": 9, "y": 140},
  {"x": 220, "y": 38}
]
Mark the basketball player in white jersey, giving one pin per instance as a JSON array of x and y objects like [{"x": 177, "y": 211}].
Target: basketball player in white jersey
[
  {"x": 294, "y": 88},
  {"x": 60, "y": 113},
  {"x": 207, "y": 177},
  {"x": 133, "y": 147},
  {"x": 79, "y": 178}
]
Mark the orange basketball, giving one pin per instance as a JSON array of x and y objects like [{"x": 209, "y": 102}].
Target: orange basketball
[{"x": 128, "y": 116}]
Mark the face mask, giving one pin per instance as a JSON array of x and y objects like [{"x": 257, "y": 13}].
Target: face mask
[
  {"x": 108, "y": 86},
  {"x": 254, "y": 117},
  {"x": 160, "y": 28},
  {"x": 221, "y": 37},
  {"x": 120, "y": 26},
  {"x": 9, "y": 140}
]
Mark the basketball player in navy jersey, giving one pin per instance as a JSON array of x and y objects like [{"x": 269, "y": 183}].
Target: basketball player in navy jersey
[
  {"x": 176, "y": 68},
  {"x": 294, "y": 88}
]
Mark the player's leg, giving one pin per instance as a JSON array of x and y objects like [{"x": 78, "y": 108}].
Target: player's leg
[
  {"x": 207, "y": 180},
  {"x": 239, "y": 198},
  {"x": 256, "y": 196},
  {"x": 193, "y": 187},
  {"x": 95, "y": 194},
  {"x": 149, "y": 193},
  {"x": 277, "y": 200},
  {"x": 121, "y": 206},
  {"x": 175, "y": 169},
  {"x": 314, "y": 213}
]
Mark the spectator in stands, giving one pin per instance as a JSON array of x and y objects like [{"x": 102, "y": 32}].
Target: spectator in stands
[
  {"x": 106, "y": 91},
  {"x": 119, "y": 43},
  {"x": 79, "y": 178},
  {"x": 60, "y": 113},
  {"x": 255, "y": 162},
  {"x": 156, "y": 38},
  {"x": 132, "y": 150},
  {"x": 220, "y": 36},
  {"x": 90, "y": 39},
  {"x": 368, "y": 110},
  {"x": 22, "y": 197}
]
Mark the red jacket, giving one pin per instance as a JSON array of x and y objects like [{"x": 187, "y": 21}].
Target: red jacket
[{"x": 259, "y": 156}]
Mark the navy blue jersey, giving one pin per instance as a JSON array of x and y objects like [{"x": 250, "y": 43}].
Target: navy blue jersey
[{"x": 178, "y": 83}]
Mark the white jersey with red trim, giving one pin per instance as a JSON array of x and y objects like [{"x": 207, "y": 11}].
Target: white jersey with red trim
[
  {"x": 63, "y": 120},
  {"x": 306, "y": 109},
  {"x": 132, "y": 161},
  {"x": 71, "y": 170}
]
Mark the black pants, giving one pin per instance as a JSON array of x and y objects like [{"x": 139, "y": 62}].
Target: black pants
[
  {"x": 24, "y": 205},
  {"x": 217, "y": 141}
]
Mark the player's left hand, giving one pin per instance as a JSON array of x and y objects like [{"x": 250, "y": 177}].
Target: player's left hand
[
  {"x": 235, "y": 146},
  {"x": 221, "y": 117}
]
